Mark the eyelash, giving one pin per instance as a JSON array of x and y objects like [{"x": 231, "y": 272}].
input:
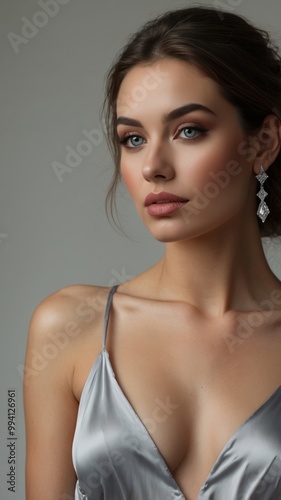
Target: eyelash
[{"x": 124, "y": 140}]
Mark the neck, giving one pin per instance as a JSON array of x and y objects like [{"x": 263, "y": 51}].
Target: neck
[{"x": 223, "y": 270}]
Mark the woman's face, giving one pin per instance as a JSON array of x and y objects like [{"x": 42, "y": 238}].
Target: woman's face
[{"x": 171, "y": 146}]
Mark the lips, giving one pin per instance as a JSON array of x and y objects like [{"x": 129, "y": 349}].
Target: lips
[
  {"x": 163, "y": 204},
  {"x": 162, "y": 198}
]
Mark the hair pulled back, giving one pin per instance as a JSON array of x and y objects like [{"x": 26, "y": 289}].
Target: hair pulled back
[{"x": 240, "y": 57}]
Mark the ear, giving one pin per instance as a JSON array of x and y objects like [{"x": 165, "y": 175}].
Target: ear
[{"x": 269, "y": 142}]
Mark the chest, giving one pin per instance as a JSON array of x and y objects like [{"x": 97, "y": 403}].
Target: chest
[{"x": 192, "y": 385}]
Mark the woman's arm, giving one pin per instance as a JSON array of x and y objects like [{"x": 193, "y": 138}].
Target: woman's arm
[{"x": 49, "y": 404}]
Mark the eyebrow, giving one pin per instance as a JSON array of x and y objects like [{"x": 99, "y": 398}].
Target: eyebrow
[{"x": 172, "y": 115}]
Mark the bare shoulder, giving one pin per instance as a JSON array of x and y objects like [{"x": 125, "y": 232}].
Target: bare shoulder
[
  {"x": 64, "y": 329},
  {"x": 68, "y": 308},
  {"x": 63, "y": 325}
]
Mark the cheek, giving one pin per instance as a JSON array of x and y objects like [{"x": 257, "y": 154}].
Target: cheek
[
  {"x": 217, "y": 180},
  {"x": 131, "y": 178},
  {"x": 216, "y": 159}
]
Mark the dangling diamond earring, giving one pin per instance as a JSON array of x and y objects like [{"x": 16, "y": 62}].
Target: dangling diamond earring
[{"x": 263, "y": 209}]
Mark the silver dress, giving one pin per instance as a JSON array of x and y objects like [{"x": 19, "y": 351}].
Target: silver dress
[{"x": 115, "y": 457}]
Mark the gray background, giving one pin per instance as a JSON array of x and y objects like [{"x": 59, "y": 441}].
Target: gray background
[{"x": 54, "y": 231}]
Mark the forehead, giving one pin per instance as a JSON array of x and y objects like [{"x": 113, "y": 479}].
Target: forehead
[{"x": 170, "y": 78}]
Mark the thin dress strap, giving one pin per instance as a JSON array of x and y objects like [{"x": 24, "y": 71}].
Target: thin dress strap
[{"x": 107, "y": 312}]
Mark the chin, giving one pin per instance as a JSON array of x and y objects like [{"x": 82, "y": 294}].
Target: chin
[
  {"x": 169, "y": 233},
  {"x": 166, "y": 236}
]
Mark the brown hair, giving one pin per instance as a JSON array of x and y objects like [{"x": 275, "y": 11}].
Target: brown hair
[{"x": 240, "y": 57}]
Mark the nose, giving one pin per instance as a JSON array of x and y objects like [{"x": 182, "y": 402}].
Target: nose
[{"x": 158, "y": 165}]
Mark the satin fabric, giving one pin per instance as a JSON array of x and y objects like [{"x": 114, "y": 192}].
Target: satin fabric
[{"x": 115, "y": 457}]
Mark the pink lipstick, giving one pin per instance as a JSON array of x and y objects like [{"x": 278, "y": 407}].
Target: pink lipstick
[{"x": 163, "y": 203}]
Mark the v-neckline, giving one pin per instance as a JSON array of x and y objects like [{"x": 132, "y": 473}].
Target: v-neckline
[{"x": 150, "y": 439}]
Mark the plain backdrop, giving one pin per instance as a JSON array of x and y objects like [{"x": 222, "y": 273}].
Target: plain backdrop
[{"x": 53, "y": 228}]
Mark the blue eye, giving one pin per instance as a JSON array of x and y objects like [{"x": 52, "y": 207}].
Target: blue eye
[
  {"x": 189, "y": 132},
  {"x": 135, "y": 140}
]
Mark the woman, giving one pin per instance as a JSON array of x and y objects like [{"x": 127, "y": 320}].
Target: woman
[{"x": 177, "y": 370}]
